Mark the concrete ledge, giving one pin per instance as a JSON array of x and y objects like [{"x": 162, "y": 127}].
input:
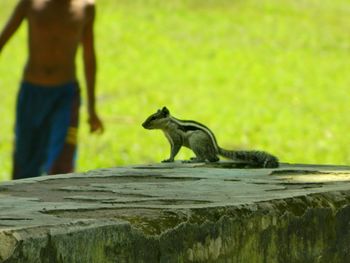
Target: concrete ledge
[{"x": 179, "y": 213}]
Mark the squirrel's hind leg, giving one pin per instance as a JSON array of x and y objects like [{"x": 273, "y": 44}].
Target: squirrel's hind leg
[{"x": 203, "y": 148}]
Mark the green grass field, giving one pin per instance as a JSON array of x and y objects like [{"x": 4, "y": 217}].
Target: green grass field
[{"x": 271, "y": 75}]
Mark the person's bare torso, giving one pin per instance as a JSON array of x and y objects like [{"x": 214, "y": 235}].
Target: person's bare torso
[{"x": 55, "y": 31}]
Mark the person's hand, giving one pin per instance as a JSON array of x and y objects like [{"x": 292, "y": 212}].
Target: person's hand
[{"x": 96, "y": 125}]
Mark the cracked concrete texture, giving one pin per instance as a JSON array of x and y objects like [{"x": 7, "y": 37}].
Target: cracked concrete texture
[{"x": 179, "y": 213}]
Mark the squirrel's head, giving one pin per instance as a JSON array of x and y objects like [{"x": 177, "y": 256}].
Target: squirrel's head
[{"x": 157, "y": 120}]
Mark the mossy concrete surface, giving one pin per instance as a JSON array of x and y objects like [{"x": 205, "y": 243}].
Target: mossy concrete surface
[{"x": 179, "y": 213}]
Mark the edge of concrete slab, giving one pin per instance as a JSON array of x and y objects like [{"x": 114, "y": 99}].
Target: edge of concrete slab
[{"x": 179, "y": 213}]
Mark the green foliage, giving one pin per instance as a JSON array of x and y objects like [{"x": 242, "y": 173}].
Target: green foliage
[{"x": 271, "y": 75}]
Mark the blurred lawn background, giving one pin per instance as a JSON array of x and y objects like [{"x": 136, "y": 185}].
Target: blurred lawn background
[{"x": 271, "y": 75}]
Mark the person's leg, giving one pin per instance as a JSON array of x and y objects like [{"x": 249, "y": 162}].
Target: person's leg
[
  {"x": 63, "y": 137},
  {"x": 30, "y": 139}
]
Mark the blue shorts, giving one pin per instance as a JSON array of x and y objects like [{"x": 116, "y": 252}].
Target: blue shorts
[{"x": 46, "y": 129}]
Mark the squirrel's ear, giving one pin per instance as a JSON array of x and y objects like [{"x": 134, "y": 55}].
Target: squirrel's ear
[{"x": 165, "y": 110}]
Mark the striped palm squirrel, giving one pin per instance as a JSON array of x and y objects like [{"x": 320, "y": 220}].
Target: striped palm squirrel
[{"x": 201, "y": 140}]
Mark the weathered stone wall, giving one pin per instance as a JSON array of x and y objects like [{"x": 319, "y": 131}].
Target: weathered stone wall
[
  {"x": 298, "y": 230},
  {"x": 187, "y": 214}
]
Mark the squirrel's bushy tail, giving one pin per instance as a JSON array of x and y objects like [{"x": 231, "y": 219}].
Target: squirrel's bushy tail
[{"x": 258, "y": 158}]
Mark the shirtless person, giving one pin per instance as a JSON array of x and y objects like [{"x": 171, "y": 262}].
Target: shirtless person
[{"x": 49, "y": 97}]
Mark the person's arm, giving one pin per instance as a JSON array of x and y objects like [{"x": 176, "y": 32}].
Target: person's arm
[
  {"x": 89, "y": 58},
  {"x": 14, "y": 22}
]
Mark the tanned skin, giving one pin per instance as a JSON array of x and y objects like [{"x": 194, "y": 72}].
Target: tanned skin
[{"x": 56, "y": 29}]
